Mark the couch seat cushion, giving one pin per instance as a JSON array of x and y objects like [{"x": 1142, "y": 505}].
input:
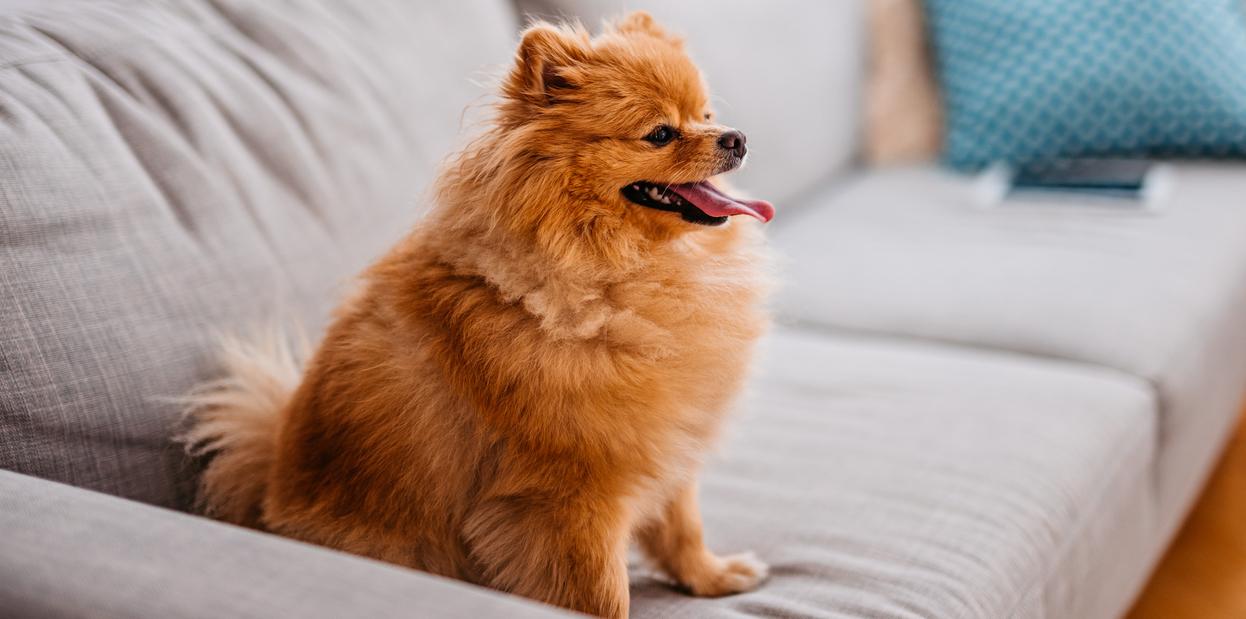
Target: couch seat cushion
[
  {"x": 1161, "y": 295},
  {"x": 900, "y": 479}
]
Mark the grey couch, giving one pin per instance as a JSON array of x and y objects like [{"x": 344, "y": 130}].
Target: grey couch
[{"x": 961, "y": 413}]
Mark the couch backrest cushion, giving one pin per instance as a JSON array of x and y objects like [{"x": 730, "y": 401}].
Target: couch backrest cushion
[
  {"x": 787, "y": 72},
  {"x": 173, "y": 169}
]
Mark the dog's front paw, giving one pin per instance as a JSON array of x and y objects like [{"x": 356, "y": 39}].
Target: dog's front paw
[{"x": 728, "y": 575}]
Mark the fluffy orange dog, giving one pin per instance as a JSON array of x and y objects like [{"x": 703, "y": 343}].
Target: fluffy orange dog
[{"x": 529, "y": 381}]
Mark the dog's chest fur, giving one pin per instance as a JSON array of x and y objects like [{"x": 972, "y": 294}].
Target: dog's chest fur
[{"x": 679, "y": 334}]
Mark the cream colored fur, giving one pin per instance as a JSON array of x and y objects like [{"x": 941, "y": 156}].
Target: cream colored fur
[{"x": 237, "y": 418}]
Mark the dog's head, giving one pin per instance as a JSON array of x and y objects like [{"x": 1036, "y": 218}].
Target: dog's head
[{"x": 615, "y": 133}]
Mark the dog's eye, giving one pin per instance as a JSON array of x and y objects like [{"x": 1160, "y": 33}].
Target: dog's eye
[
  {"x": 708, "y": 115},
  {"x": 661, "y": 136}
]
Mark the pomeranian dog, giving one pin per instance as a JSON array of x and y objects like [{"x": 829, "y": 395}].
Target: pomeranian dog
[{"x": 529, "y": 381}]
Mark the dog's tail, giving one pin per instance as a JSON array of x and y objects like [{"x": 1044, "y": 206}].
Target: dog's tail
[{"x": 236, "y": 420}]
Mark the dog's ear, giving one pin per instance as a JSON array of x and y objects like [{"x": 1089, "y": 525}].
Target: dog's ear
[
  {"x": 545, "y": 64},
  {"x": 641, "y": 22}
]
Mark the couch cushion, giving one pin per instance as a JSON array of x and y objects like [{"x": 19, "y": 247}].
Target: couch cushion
[
  {"x": 899, "y": 479},
  {"x": 173, "y": 169},
  {"x": 788, "y": 74},
  {"x": 1159, "y": 295}
]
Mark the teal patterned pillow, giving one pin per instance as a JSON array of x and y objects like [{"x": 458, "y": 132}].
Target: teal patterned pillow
[{"x": 1027, "y": 80}]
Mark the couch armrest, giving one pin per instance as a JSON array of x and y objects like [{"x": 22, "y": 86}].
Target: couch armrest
[{"x": 69, "y": 552}]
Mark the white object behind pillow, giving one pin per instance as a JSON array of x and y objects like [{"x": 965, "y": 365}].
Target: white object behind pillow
[{"x": 786, "y": 73}]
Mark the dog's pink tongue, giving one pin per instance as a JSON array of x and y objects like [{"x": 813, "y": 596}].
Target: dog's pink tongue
[{"x": 715, "y": 203}]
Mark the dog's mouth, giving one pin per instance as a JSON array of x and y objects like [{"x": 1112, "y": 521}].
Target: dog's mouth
[{"x": 698, "y": 203}]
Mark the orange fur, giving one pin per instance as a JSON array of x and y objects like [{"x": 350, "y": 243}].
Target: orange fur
[{"x": 532, "y": 377}]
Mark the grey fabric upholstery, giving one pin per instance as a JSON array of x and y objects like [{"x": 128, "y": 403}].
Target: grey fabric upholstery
[
  {"x": 173, "y": 169},
  {"x": 1161, "y": 296},
  {"x": 895, "y": 479},
  {"x": 880, "y": 479},
  {"x": 787, "y": 73},
  {"x": 69, "y": 552}
]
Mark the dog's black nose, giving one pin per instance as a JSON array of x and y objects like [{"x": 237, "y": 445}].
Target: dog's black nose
[{"x": 733, "y": 141}]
